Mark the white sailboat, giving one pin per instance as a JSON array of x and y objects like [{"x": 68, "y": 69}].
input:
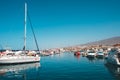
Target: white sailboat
[{"x": 15, "y": 59}]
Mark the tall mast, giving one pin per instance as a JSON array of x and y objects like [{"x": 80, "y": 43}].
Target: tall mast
[{"x": 25, "y": 25}]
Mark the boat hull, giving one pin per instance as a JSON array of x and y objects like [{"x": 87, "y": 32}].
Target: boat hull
[
  {"x": 77, "y": 53},
  {"x": 91, "y": 54},
  {"x": 19, "y": 60},
  {"x": 113, "y": 61}
]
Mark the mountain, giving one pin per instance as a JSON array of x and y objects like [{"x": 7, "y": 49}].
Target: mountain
[{"x": 109, "y": 41}]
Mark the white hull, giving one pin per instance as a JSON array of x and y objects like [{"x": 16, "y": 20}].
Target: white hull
[
  {"x": 91, "y": 54},
  {"x": 18, "y": 59},
  {"x": 113, "y": 57},
  {"x": 113, "y": 60},
  {"x": 100, "y": 54}
]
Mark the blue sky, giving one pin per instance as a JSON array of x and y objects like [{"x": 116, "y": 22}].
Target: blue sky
[{"x": 58, "y": 23}]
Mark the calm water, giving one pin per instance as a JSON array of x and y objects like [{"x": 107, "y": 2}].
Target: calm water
[{"x": 63, "y": 66}]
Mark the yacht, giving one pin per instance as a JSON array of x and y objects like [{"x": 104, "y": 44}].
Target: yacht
[
  {"x": 114, "y": 56},
  {"x": 77, "y": 53},
  {"x": 22, "y": 57},
  {"x": 100, "y": 54},
  {"x": 91, "y": 53}
]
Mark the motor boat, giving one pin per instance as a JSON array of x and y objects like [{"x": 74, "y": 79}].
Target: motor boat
[
  {"x": 91, "y": 53},
  {"x": 77, "y": 53},
  {"x": 99, "y": 54},
  {"x": 114, "y": 56}
]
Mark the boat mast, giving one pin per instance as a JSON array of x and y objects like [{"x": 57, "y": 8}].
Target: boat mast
[{"x": 25, "y": 25}]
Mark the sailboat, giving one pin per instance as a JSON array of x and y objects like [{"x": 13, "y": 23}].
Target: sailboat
[{"x": 20, "y": 58}]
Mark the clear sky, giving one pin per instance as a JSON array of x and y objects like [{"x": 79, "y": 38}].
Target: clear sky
[{"x": 58, "y": 23}]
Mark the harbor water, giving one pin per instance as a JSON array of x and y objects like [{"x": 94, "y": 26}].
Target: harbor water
[{"x": 64, "y": 66}]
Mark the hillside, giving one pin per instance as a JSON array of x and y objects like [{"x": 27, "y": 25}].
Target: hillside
[{"x": 109, "y": 41}]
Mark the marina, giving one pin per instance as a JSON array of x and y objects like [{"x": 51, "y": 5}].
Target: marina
[
  {"x": 62, "y": 66},
  {"x": 59, "y": 40}
]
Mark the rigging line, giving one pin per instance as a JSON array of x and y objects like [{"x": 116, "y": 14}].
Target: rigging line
[{"x": 33, "y": 32}]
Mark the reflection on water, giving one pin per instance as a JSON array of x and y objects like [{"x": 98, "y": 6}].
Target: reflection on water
[
  {"x": 91, "y": 59},
  {"x": 114, "y": 70},
  {"x": 95, "y": 59},
  {"x": 19, "y": 71},
  {"x": 77, "y": 56}
]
